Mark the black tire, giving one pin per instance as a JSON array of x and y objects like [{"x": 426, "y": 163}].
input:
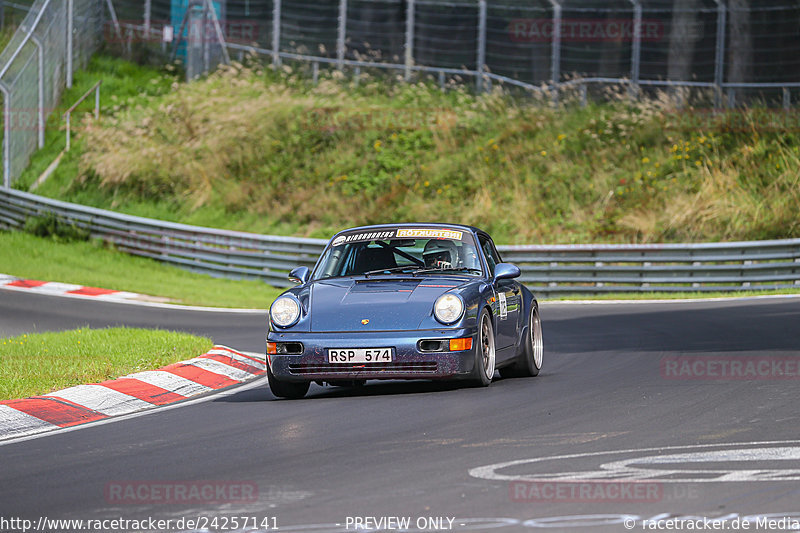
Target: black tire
[
  {"x": 484, "y": 351},
  {"x": 286, "y": 389},
  {"x": 529, "y": 361}
]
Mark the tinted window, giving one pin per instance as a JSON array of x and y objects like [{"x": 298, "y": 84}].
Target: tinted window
[
  {"x": 492, "y": 257},
  {"x": 358, "y": 257}
]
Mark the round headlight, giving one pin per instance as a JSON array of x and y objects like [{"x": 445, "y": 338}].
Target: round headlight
[
  {"x": 448, "y": 308},
  {"x": 284, "y": 311}
]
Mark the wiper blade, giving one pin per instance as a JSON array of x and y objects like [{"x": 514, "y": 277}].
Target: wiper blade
[
  {"x": 450, "y": 269},
  {"x": 393, "y": 269}
]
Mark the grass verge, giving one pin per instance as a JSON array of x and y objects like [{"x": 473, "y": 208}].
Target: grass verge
[
  {"x": 39, "y": 363},
  {"x": 257, "y": 150},
  {"x": 90, "y": 263}
]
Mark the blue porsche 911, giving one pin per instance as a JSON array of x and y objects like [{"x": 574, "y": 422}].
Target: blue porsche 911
[{"x": 403, "y": 301}]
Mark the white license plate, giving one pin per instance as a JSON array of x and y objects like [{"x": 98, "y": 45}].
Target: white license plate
[{"x": 359, "y": 355}]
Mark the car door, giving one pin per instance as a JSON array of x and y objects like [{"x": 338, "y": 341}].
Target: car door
[{"x": 509, "y": 298}]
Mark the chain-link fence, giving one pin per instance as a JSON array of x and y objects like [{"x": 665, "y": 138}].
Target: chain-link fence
[
  {"x": 54, "y": 38},
  {"x": 730, "y": 51},
  {"x": 723, "y": 51}
]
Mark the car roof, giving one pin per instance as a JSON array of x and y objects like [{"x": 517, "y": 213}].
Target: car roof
[{"x": 471, "y": 229}]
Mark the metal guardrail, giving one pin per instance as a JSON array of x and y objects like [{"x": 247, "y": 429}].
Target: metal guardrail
[
  {"x": 546, "y": 269},
  {"x": 216, "y": 252}
]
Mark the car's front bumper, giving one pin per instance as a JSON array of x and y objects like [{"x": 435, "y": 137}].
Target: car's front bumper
[{"x": 409, "y": 361}]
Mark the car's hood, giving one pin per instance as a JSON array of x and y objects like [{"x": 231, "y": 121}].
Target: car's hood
[{"x": 387, "y": 304}]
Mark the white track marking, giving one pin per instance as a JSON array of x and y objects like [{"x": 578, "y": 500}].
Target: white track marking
[
  {"x": 102, "y": 399},
  {"x": 171, "y": 382},
  {"x": 246, "y": 360},
  {"x": 738, "y": 453},
  {"x": 15, "y": 423},
  {"x": 256, "y": 383},
  {"x": 221, "y": 368}
]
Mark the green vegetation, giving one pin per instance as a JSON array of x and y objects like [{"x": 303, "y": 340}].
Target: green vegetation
[
  {"x": 40, "y": 363},
  {"x": 256, "y": 150},
  {"x": 124, "y": 85},
  {"x": 90, "y": 263}
]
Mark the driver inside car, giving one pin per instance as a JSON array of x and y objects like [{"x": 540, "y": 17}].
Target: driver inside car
[{"x": 440, "y": 254}]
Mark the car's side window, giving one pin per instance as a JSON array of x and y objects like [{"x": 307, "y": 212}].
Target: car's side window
[{"x": 491, "y": 254}]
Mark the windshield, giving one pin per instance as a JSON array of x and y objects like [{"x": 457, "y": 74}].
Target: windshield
[{"x": 413, "y": 251}]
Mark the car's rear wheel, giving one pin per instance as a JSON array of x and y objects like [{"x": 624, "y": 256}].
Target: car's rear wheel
[
  {"x": 529, "y": 361},
  {"x": 286, "y": 389},
  {"x": 484, "y": 351}
]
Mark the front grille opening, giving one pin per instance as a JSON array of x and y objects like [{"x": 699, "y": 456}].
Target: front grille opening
[
  {"x": 435, "y": 345},
  {"x": 418, "y": 367},
  {"x": 289, "y": 348}
]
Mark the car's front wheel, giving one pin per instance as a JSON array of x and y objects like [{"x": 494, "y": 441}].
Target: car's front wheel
[
  {"x": 286, "y": 389},
  {"x": 484, "y": 351}
]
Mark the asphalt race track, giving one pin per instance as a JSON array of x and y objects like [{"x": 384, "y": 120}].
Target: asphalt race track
[{"x": 616, "y": 431}]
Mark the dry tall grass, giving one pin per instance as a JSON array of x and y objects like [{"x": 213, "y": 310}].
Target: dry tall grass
[{"x": 268, "y": 152}]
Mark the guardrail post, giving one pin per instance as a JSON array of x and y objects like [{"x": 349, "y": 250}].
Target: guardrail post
[
  {"x": 481, "y": 44},
  {"x": 410, "y": 16},
  {"x": 637, "y": 49},
  {"x": 276, "y": 33},
  {"x": 315, "y": 72},
  {"x": 342, "y": 33},
  {"x": 719, "y": 60},
  {"x": 555, "y": 56}
]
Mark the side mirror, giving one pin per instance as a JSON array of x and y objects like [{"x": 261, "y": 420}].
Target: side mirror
[
  {"x": 506, "y": 271},
  {"x": 300, "y": 275}
]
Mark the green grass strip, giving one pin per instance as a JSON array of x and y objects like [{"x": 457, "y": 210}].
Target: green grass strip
[
  {"x": 92, "y": 264},
  {"x": 40, "y": 363}
]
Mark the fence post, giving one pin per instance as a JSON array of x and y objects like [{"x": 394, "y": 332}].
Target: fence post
[
  {"x": 204, "y": 38},
  {"x": 342, "y": 32},
  {"x": 70, "y": 21},
  {"x": 6, "y": 134},
  {"x": 276, "y": 33},
  {"x": 555, "y": 57},
  {"x": 636, "y": 54},
  {"x": 220, "y": 36},
  {"x": 40, "y": 100},
  {"x": 481, "y": 43},
  {"x": 148, "y": 9},
  {"x": 410, "y": 15},
  {"x": 195, "y": 42},
  {"x": 719, "y": 61},
  {"x": 787, "y": 99}
]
